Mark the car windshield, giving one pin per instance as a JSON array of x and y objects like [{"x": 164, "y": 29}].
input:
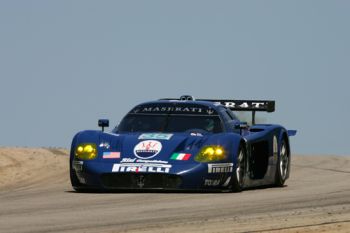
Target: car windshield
[{"x": 169, "y": 123}]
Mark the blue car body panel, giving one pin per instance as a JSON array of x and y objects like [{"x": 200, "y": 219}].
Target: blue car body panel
[{"x": 135, "y": 166}]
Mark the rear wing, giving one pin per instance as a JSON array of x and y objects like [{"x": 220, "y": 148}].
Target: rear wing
[
  {"x": 238, "y": 105},
  {"x": 246, "y": 105}
]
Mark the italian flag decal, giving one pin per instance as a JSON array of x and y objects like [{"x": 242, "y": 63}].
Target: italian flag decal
[{"x": 180, "y": 156}]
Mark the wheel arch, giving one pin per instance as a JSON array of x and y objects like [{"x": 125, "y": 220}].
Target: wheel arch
[{"x": 284, "y": 136}]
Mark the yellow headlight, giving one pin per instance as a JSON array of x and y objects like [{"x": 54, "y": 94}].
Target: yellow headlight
[
  {"x": 210, "y": 154},
  {"x": 86, "y": 151},
  {"x": 209, "y": 151},
  {"x": 219, "y": 151},
  {"x": 80, "y": 149}
]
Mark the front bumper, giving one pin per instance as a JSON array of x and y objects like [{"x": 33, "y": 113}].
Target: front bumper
[
  {"x": 140, "y": 181},
  {"x": 98, "y": 175}
]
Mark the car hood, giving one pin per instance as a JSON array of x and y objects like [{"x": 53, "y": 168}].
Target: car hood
[{"x": 153, "y": 146}]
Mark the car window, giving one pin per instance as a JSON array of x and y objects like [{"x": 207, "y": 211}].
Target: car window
[
  {"x": 231, "y": 114},
  {"x": 169, "y": 123}
]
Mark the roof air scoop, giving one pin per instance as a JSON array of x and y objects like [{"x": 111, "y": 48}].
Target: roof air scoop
[{"x": 187, "y": 97}]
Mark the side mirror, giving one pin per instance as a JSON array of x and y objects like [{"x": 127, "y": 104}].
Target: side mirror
[{"x": 103, "y": 123}]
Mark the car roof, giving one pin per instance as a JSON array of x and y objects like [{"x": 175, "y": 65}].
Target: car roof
[
  {"x": 190, "y": 102},
  {"x": 184, "y": 102}
]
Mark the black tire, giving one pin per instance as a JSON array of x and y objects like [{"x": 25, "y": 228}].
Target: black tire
[
  {"x": 76, "y": 185},
  {"x": 74, "y": 180},
  {"x": 79, "y": 187},
  {"x": 282, "y": 166},
  {"x": 239, "y": 171}
]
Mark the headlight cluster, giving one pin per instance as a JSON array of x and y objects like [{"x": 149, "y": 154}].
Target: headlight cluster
[
  {"x": 210, "y": 154},
  {"x": 86, "y": 151}
]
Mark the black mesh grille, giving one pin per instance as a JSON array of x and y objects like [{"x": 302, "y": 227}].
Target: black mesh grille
[{"x": 140, "y": 181}]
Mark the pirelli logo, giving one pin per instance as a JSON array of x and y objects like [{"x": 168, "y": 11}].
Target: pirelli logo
[
  {"x": 141, "y": 167},
  {"x": 220, "y": 167}
]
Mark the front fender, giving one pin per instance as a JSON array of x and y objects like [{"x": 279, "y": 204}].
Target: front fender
[{"x": 229, "y": 141}]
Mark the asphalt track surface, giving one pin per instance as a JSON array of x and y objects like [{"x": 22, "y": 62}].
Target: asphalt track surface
[{"x": 36, "y": 196}]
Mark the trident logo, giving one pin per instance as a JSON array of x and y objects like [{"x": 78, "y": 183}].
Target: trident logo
[
  {"x": 140, "y": 181},
  {"x": 210, "y": 111}
]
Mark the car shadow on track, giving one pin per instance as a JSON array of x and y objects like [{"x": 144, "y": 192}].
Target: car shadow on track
[{"x": 135, "y": 191}]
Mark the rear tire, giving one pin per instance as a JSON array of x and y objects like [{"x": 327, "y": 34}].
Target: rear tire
[
  {"x": 239, "y": 172},
  {"x": 282, "y": 166}
]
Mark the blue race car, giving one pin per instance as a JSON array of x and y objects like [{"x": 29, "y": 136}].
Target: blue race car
[{"x": 183, "y": 144}]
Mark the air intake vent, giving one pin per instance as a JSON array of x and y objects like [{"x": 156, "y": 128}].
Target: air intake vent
[{"x": 140, "y": 181}]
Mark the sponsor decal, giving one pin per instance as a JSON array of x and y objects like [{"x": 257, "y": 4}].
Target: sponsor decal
[
  {"x": 147, "y": 149},
  {"x": 220, "y": 167},
  {"x": 173, "y": 109},
  {"x": 187, "y": 109},
  {"x": 180, "y": 156},
  {"x": 130, "y": 160},
  {"x": 208, "y": 182},
  {"x": 111, "y": 155},
  {"x": 104, "y": 145},
  {"x": 247, "y": 104},
  {"x": 144, "y": 167},
  {"x": 156, "y": 136}
]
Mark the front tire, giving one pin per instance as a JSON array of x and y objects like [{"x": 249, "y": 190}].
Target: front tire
[
  {"x": 238, "y": 173},
  {"x": 282, "y": 166},
  {"x": 74, "y": 180},
  {"x": 76, "y": 185}
]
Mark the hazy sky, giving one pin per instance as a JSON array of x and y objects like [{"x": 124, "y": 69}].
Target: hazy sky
[{"x": 64, "y": 64}]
